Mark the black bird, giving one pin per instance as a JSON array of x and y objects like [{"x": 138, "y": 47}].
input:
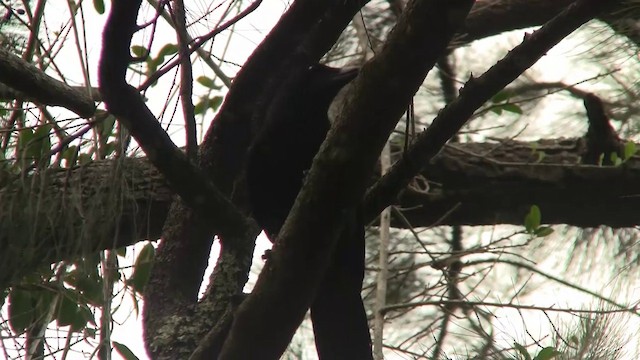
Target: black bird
[
  {"x": 601, "y": 139},
  {"x": 277, "y": 164}
]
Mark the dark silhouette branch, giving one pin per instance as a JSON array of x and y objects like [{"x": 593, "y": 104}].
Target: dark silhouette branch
[
  {"x": 126, "y": 103},
  {"x": 301, "y": 37},
  {"x": 182, "y": 256},
  {"x": 267, "y": 319}
]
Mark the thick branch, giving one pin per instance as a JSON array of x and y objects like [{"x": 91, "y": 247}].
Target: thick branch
[
  {"x": 493, "y": 17},
  {"x": 475, "y": 93},
  {"x": 188, "y": 234},
  {"x": 470, "y": 184},
  {"x": 475, "y": 184},
  {"x": 127, "y": 105},
  {"x": 36, "y": 86},
  {"x": 267, "y": 319},
  {"x": 64, "y": 213},
  {"x": 301, "y": 37},
  {"x": 336, "y": 180},
  {"x": 490, "y": 17}
]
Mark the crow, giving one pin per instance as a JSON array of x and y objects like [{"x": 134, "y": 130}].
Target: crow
[{"x": 277, "y": 164}]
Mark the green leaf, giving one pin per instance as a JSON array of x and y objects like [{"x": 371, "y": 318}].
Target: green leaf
[
  {"x": 136, "y": 305},
  {"x": 629, "y": 149},
  {"x": 83, "y": 317},
  {"x": 88, "y": 285},
  {"x": 28, "y": 307},
  {"x": 574, "y": 339},
  {"x": 206, "y": 103},
  {"x": 70, "y": 155},
  {"x": 124, "y": 351},
  {"x": 109, "y": 148},
  {"x": 122, "y": 251},
  {"x": 216, "y": 101},
  {"x": 547, "y": 353},
  {"x": 168, "y": 49},
  {"x": 617, "y": 161},
  {"x": 91, "y": 288},
  {"x": 200, "y": 108},
  {"x": 41, "y": 141},
  {"x": 512, "y": 108},
  {"x": 152, "y": 66},
  {"x": 67, "y": 309},
  {"x": 45, "y": 298},
  {"x": 142, "y": 268},
  {"x": 106, "y": 126},
  {"x": 70, "y": 312},
  {"x": 522, "y": 351},
  {"x": 532, "y": 220},
  {"x": 502, "y": 96},
  {"x": 84, "y": 159},
  {"x": 207, "y": 82},
  {"x": 21, "y": 314},
  {"x": 25, "y": 138},
  {"x": 99, "y": 6},
  {"x": 543, "y": 231},
  {"x": 139, "y": 51}
]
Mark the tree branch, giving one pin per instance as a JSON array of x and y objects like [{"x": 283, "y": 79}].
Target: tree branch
[
  {"x": 267, "y": 319},
  {"x": 475, "y": 93},
  {"x": 302, "y": 36},
  {"x": 36, "y": 86},
  {"x": 126, "y": 103},
  {"x": 483, "y": 183},
  {"x": 490, "y": 17}
]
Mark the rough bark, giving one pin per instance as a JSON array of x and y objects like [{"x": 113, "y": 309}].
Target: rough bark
[
  {"x": 33, "y": 84},
  {"x": 476, "y": 184},
  {"x": 469, "y": 184},
  {"x": 62, "y": 213}
]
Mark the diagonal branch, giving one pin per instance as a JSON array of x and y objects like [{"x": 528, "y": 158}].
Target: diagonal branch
[
  {"x": 475, "y": 93},
  {"x": 126, "y": 103},
  {"x": 302, "y": 36},
  {"x": 36, "y": 86},
  {"x": 267, "y": 319},
  {"x": 490, "y": 17}
]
